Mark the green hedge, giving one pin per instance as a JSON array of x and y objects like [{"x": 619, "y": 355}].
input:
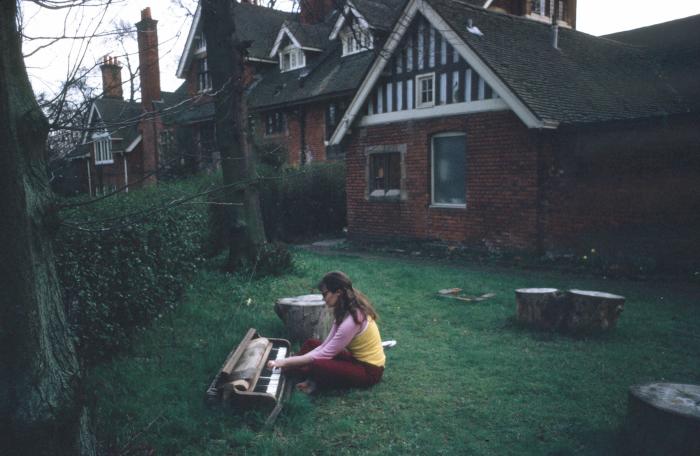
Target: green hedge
[
  {"x": 298, "y": 203},
  {"x": 124, "y": 260}
]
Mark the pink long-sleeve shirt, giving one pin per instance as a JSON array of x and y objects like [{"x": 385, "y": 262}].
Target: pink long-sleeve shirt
[{"x": 338, "y": 338}]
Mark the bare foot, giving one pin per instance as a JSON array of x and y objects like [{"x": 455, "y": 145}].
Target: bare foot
[{"x": 307, "y": 386}]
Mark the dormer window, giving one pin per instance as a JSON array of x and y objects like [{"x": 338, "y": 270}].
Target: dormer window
[
  {"x": 292, "y": 58},
  {"x": 356, "y": 40},
  {"x": 203, "y": 76},
  {"x": 103, "y": 148},
  {"x": 199, "y": 44}
]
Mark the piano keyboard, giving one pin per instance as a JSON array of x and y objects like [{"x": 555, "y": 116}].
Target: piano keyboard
[{"x": 269, "y": 379}]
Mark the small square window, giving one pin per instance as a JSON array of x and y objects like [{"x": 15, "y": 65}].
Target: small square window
[
  {"x": 385, "y": 174},
  {"x": 103, "y": 149},
  {"x": 274, "y": 123},
  {"x": 292, "y": 58},
  {"x": 425, "y": 90}
]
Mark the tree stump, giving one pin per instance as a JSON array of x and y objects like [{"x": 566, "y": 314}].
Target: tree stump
[
  {"x": 544, "y": 308},
  {"x": 593, "y": 310},
  {"x": 664, "y": 418},
  {"x": 305, "y": 317}
]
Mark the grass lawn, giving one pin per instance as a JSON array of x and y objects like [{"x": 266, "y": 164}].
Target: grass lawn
[{"x": 463, "y": 379}]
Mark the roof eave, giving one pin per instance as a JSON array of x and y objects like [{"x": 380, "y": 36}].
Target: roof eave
[{"x": 187, "y": 51}]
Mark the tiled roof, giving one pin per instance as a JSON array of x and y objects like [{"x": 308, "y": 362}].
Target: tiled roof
[
  {"x": 260, "y": 26},
  {"x": 587, "y": 79},
  {"x": 314, "y": 36},
  {"x": 380, "y": 14},
  {"x": 676, "y": 46},
  {"x": 328, "y": 74},
  {"x": 119, "y": 117}
]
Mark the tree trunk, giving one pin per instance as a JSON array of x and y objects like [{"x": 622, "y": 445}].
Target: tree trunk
[
  {"x": 225, "y": 57},
  {"x": 39, "y": 375},
  {"x": 305, "y": 317}
]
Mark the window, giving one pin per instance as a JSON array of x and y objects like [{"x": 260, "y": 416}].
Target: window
[
  {"x": 292, "y": 58},
  {"x": 545, "y": 8},
  {"x": 448, "y": 180},
  {"x": 356, "y": 40},
  {"x": 274, "y": 123},
  {"x": 199, "y": 43},
  {"x": 425, "y": 90},
  {"x": 103, "y": 149},
  {"x": 203, "y": 76},
  {"x": 334, "y": 112},
  {"x": 166, "y": 146},
  {"x": 385, "y": 174}
]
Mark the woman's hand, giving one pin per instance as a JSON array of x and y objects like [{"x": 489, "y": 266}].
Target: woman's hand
[{"x": 275, "y": 363}]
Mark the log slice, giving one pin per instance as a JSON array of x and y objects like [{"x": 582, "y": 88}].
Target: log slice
[
  {"x": 664, "y": 419},
  {"x": 593, "y": 310},
  {"x": 544, "y": 308},
  {"x": 305, "y": 317}
]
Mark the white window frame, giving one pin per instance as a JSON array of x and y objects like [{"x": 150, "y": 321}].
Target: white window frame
[
  {"x": 432, "y": 173},
  {"x": 207, "y": 85},
  {"x": 297, "y": 58},
  {"x": 419, "y": 79},
  {"x": 390, "y": 194},
  {"x": 102, "y": 145},
  {"x": 200, "y": 42},
  {"x": 351, "y": 44}
]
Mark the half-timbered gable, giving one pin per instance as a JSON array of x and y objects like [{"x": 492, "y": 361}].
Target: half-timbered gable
[{"x": 426, "y": 71}]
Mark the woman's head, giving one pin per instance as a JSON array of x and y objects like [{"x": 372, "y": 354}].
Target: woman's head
[{"x": 339, "y": 294}]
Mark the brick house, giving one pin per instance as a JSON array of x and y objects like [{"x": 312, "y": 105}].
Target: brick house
[
  {"x": 195, "y": 121},
  {"x": 120, "y": 146},
  {"x": 496, "y": 130},
  {"x": 301, "y": 71}
]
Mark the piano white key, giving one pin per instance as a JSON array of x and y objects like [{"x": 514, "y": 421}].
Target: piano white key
[
  {"x": 281, "y": 353},
  {"x": 272, "y": 386}
]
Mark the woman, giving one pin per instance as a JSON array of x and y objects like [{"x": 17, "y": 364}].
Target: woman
[{"x": 352, "y": 354}]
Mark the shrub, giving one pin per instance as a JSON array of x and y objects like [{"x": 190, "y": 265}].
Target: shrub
[
  {"x": 298, "y": 203},
  {"x": 273, "y": 259},
  {"x": 128, "y": 261}
]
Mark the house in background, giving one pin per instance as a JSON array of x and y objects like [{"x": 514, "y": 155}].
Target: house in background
[
  {"x": 301, "y": 71},
  {"x": 121, "y": 142},
  {"x": 195, "y": 121},
  {"x": 502, "y": 132}
]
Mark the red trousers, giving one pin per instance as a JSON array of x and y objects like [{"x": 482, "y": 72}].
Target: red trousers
[{"x": 343, "y": 371}]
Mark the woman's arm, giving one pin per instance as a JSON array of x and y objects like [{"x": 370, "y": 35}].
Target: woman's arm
[
  {"x": 307, "y": 358},
  {"x": 335, "y": 343}
]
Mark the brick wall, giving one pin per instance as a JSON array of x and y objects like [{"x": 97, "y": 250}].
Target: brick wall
[
  {"x": 630, "y": 187},
  {"x": 314, "y": 132},
  {"x": 501, "y": 183},
  {"x": 624, "y": 180}
]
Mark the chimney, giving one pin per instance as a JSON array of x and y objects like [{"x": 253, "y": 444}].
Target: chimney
[
  {"x": 314, "y": 11},
  {"x": 555, "y": 25},
  {"x": 149, "y": 69},
  {"x": 111, "y": 78}
]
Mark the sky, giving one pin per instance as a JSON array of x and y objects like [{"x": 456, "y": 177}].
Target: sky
[{"x": 48, "y": 67}]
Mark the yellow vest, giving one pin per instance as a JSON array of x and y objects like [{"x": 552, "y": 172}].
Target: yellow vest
[{"x": 367, "y": 346}]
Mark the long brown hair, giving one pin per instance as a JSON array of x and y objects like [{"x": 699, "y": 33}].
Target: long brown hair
[{"x": 349, "y": 300}]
